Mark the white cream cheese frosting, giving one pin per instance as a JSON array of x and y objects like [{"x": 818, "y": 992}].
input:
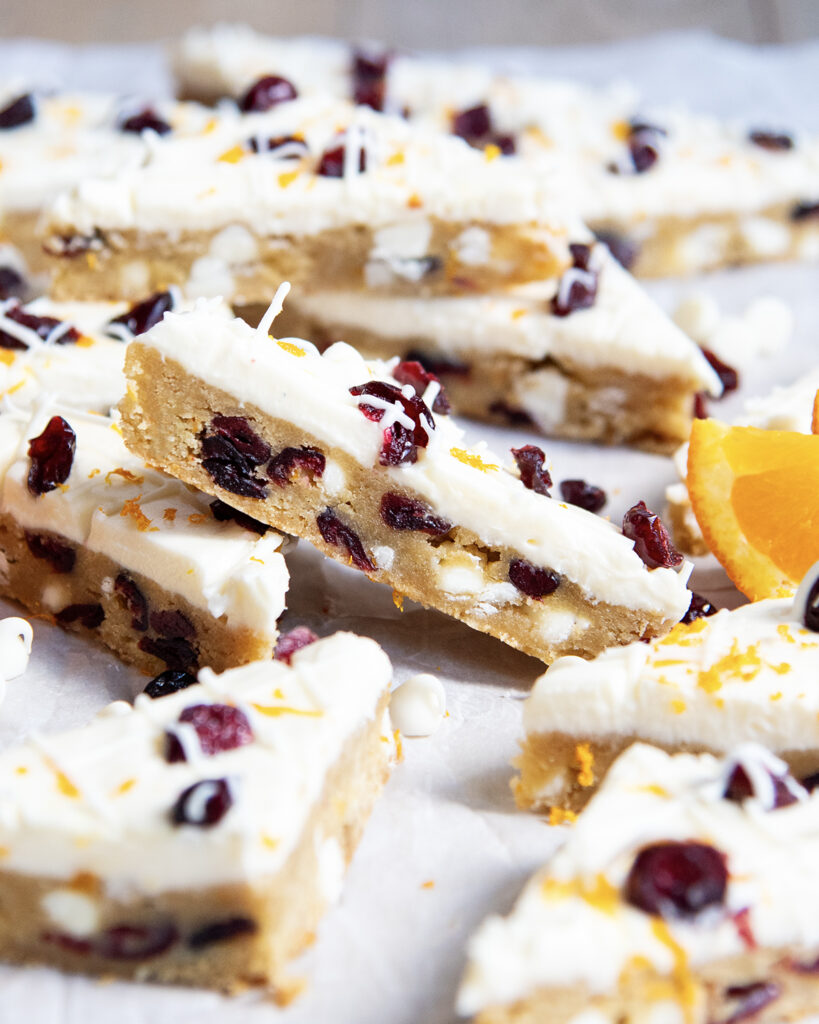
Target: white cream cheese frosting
[
  {"x": 99, "y": 799},
  {"x": 16, "y": 635},
  {"x": 573, "y": 926}
]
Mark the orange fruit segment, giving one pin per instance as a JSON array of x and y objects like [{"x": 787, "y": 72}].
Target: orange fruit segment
[
  {"x": 814, "y": 420},
  {"x": 755, "y": 494}
]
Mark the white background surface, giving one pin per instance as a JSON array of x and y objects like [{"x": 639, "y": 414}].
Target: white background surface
[{"x": 392, "y": 952}]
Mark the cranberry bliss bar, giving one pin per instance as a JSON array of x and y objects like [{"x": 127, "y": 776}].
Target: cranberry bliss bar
[
  {"x": 360, "y": 459},
  {"x": 197, "y": 837},
  {"x": 687, "y": 892}
]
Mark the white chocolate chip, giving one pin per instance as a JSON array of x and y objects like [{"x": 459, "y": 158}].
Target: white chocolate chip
[
  {"x": 73, "y": 912},
  {"x": 15, "y": 644},
  {"x": 417, "y": 706}
]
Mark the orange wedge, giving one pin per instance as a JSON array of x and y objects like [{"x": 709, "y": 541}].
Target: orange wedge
[
  {"x": 755, "y": 494},
  {"x": 814, "y": 420}
]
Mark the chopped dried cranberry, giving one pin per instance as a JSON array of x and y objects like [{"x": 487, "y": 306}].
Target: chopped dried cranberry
[
  {"x": 810, "y": 619},
  {"x": 810, "y": 782},
  {"x": 146, "y": 120},
  {"x": 331, "y": 164},
  {"x": 12, "y": 284},
  {"x": 42, "y": 326},
  {"x": 59, "y": 556},
  {"x": 512, "y": 414},
  {"x": 750, "y": 999},
  {"x": 172, "y": 623},
  {"x": 677, "y": 879},
  {"x": 577, "y": 287},
  {"x": 295, "y": 148},
  {"x": 136, "y": 942},
  {"x": 221, "y": 931},
  {"x": 134, "y": 599},
  {"x": 740, "y": 788},
  {"x": 623, "y": 249},
  {"x": 219, "y": 727},
  {"x": 742, "y": 923},
  {"x": 19, "y": 111},
  {"x": 651, "y": 540},
  {"x": 402, "y": 513},
  {"x": 231, "y": 450},
  {"x": 400, "y": 443},
  {"x": 337, "y": 533},
  {"x": 699, "y": 608},
  {"x": 533, "y": 474},
  {"x": 582, "y": 494},
  {"x": 88, "y": 615},
  {"x": 700, "y": 411},
  {"x": 774, "y": 142},
  {"x": 413, "y": 373},
  {"x": 644, "y": 145},
  {"x": 266, "y": 93},
  {"x": 175, "y": 652},
  {"x": 292, "y": 641},
  {"x": 581, "y": 254},
  {"x": 804, "y": 211},
  {"x": 143, "y": 316},
  {"x": 531, "y": 580},
  {"x": 224, "y": 513},
  {"x": 203, "y": 804},
  {"x": 369, "y": 73},
  {"x": 52, "y": 455},
  {"x": 472, "y": 124},
  {"x": 505, "y": 143},
  {"x": 292, "y": 462},
  {"x": 727, "y": 374},
  {"x": 805, "y": 967},
  {"x": 168, "y": 682},
  {"x": 242, "y": 436},
  {"x": 438, "y": 365},
  {"x": 68, "y": 943}
]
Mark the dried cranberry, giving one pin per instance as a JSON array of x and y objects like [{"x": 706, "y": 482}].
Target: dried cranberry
[
  {"x": 740, "y": 788},
  {"x": 810, "y": 782},
  {"x": 727, "y": 374},
  {"x": 582, "y": 494},
  {"x": 203, "y": 804},
  {"x": 168, "y": 682},
  {"x": 505, "y": 143},
  {"x": 400, "y": 443},
  {"x": 533, "y": 473},
  {"x": 810, "y": 619},
  {"x": 651, "y": 540},
  {"x": 805, "y": 967},
  {"x": 331, "y": 164},
  {"x": 290, "y": 462},
  {"x": 413, "y": 373},
  {"x": 59, "y": 556},
  {"x": 88, "y": 615},
  {"x": 136, "y": 942},
  {"x": 296, "y": 148},
  {"x": 699, "y": 608},
  {"x": 700, "y": 411},
  {"x": 677, "y": 879},
  {"x": 644, "y": 145},
  {"x": 68, "y": 943},
  {"x": 146, "y": 120},
  {"x": 369, "y": 75},
  {"x": 623, "y": 249},
  {"x": 134, "y": 600},
  {"x": 12, "y": 284},
  {"x": 224, "y": 513},
  {"x": 219, "y": 727},
  {"x": 266, "y": 93},
  {"x": 231, "y": 450},
  {"x": 804, "y": 211},
  {"x": 42, "y": 326},
  {"x": 742, "y": 923},
  {"x": 221, "y": 931},
  {"x": 242, "y": 436},
  {"x": 472, "y": 124},
  {"x": 750, "y": 999},
  {"x": 52, "y": 455},
  {"x": 402, "y": 513},
  {"x": 774, "y": 142},
  {"x": 577, "y": 287},
  {"x": 19, "y": 111},
  {"x": 172, "y": 623},
  {"x": 532, "y": 580},
  {"x": 143, "y": 316},
  {"x": 438, "y": 365},
  {"x": 337, "y": 533},
  {"x": 292, "y": 641},
  {"x": 175, "y": 652}
]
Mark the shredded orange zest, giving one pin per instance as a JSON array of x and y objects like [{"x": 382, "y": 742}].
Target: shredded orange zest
[
  {"x": 398, "y": 600},
  {"x": 126, "y": 474},
  {"x": 21, "y": 769},
  {"x": 131, "y": 509},
  {"x": 269, "y": 841},
  {"x": 395, "y": 159},
  {"x": 518, "y": 313},
  {"x": 287, "y": 178},
  {"x": 4, "y": 851},
  {"x": 472, "y": 459},
  {"x": 599, "y": 893},
  {"x": 492, "y": 152},
  {"x": 276, "y": 710},
  {"x": 621, "y": 130},
  {"x": 415, "y": 202},
  {"x": 210, "y": 127},
  {"x": 195, "y": 518},
  {"x": 399, "y": 746},
  {"x": 169, "y": 515},
  {"x": 683, "y": 979},
  {"x": 93, "y": 473},
  {"x": 652, "y": 787},
  {"x": 292, "y": 349},
  {"x": 253, "y": 558},
  {"x": 123, "y": 787},
  {"x": 6, "y": 356},
  {"x": 232, "y": 155},
  {"x": 784, "y": 630},
  {"x": 84, "y": 341},
  {"x": 561, "y": 816},
  {"x": 117, "y": 428},
  {"x": 428, "y": 885},
  {"x": 64, "y": 784},
  {"x": 91, "y": 260},
  {"x": 736, "y": 663},
  {"x": 777, "y": 695},
  {"x": 585, "y": 759},
  {"x": 678, "y": 706},
  {"x": 278, "y": 693}
]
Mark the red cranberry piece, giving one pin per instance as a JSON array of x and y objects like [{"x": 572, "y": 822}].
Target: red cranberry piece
[
  {"x": 644, "y": 145},
  {"x": 677, "y": 879},
  {"x": 172, "y": 623},
  {"x": 68, "y": 943},
  {"x": 804, "y": 211},
  {"x": 59, "y": 556},
  {"x": 242, "y": 436},
  {"x": 19, "y": 111},
  {"x": 136, "y": 942},
  {"x": 700, "y": 406},
  {"x": 514, "y": 417},
  {"x": 577, "y": 287},
  {"x": 742, "y": 923},
  {"x": 505, "y": 143},
  {"x": 134, "y": 601},
  {"x": 400, "y": 443},
  {"x": 581, "y": 254},
  {"x": 774, "y": 142},
  {"x": 622, "y": 249},
  {"x": 533, "y": 474},
  {"x": 413, "y": 373},
  {"x": 369, "y": 73},
  {"x": 290, "y": 462},
  {"x": 231, "y": 450},
  {"x": 811, "y": 617},
  {"x": 331, "y": 164},
  {"x": 809, "y": 967},
  {"x": 532, "y": 580},
  {"x": 168, "y": 682},
  {"x": 224, "y": 513},
  {"x": 438, "y": 365},
  {"x": 221, "y": 931},
  {"x": 582, "y": 494},
  {"x": 266, "y": 93},
  {"x": 740, "y": 788},
  {"x": 292, "y": 641},
  {"x": 727, "y": 374},
  {"x": 337, "y": 533},
  {"x": 749, "y": 999},
  {"x": 473, "y": 124},
  {"x": 295, "y": 149},
  {"x": 203, "y": 804},
  {"x": 41, "y": 325},
  {"x": 810, "y": 782},
  {"x": 401, "y": 513},
  {"x": 88, "y": 615},
  {"x": 699, "y": 608},
  {"x": 141, "y": 317},
  {"x": 52, "y": 455},
  {"x": 175, "y": 652},
  {"x": 12, "y": 284},
  {"x": 651, "y": 540},
  {"x": 146, "y": 120},
  {"x": 219, "y": 727}
]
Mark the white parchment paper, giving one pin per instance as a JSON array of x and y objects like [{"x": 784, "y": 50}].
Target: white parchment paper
[{"x": 393, "y": 950}]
